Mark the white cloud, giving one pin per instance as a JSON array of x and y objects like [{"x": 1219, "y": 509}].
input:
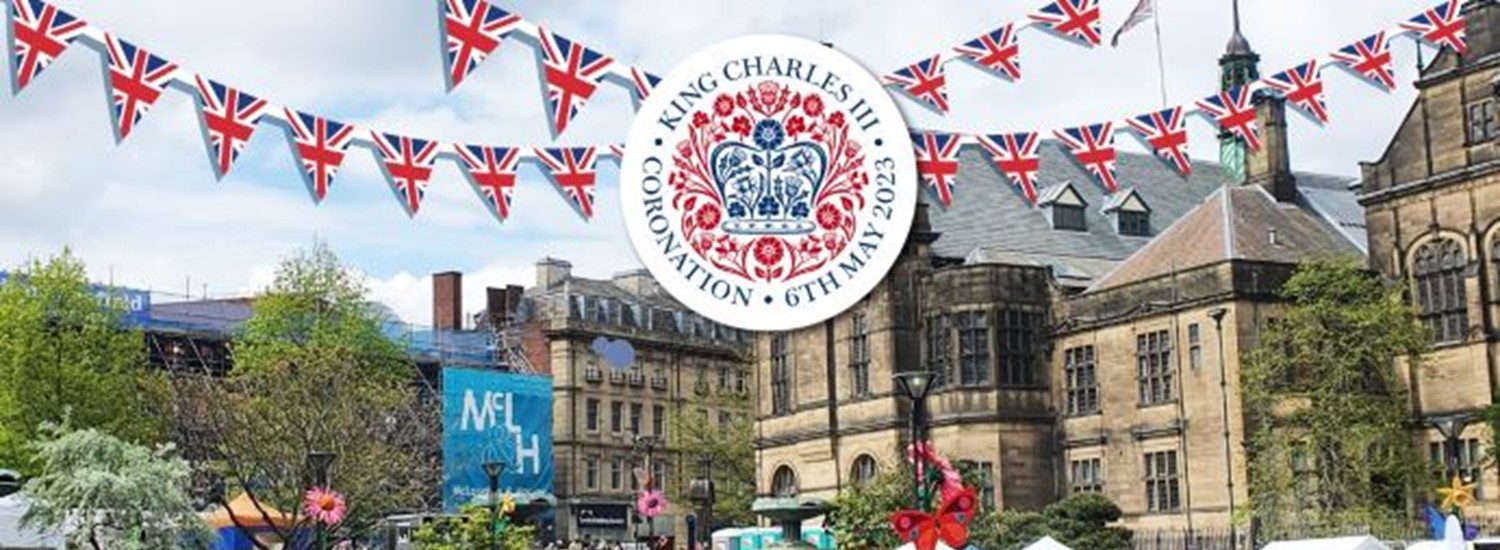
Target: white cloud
[{"x": 149, "y": 210}]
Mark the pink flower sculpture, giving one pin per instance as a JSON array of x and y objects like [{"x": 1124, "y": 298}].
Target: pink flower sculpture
[
  {"x": 324, "y": 505},
  {"x": 651, "y": 503}
]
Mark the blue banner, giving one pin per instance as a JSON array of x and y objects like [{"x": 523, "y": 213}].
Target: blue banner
[
  {"x": 135, "y": 303},
  {"x": 493, "y": 416}
]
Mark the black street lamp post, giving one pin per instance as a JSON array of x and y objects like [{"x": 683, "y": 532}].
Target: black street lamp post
[
  {"x": 650, "y": 442},
  {"x": 706, "y": 516},
  {"x": 916, "y": 384},
  {"x": 492, "y": 470},
  {"x": 1218, "y": 314},
  {"x": 320, "y": 462}
]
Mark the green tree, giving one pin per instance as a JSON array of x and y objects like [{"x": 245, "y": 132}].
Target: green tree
[
  {"x": 861, "y": 516},
  {"x": 315, "y": 373},
  {"x": 1079, "y": 521},
  {"x": 107, "y": 493},
  {"x": 730, "y": 446},
  {"x": 1326, "y": 409},
  {"x": 470, "y": 531},
  {"x": 64, "y": 353}
]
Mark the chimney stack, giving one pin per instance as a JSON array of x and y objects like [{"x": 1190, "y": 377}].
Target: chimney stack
[
  {"x": 1271, "y": 166},
  {"x": 501, "y": 304},
  {"x": 447, "y": 301},
  {"x": 551, "y": 271}
]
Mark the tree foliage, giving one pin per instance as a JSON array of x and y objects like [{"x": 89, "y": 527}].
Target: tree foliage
[
  {"x": 861, "y": 515},
  {"x": 471, "y": 531},
  {"x": 1327, "y": 411},
  {"x": 314, "y": 373},
  {"x": 730, "y": 446},
  {"x": 64, "y": 353},
  {"x": 107, "y": 493}
]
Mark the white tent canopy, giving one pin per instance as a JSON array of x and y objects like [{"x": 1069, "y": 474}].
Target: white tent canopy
[
  {"x": 1047, "y": 543},
  {"x": 12, "y": 535},
  {"x": 1347, "y": 543}
]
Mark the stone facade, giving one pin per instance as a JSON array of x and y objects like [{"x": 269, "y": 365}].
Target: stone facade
[
  {"x": 684, "y": 365},
  {"x": 1433, "y": 202}
]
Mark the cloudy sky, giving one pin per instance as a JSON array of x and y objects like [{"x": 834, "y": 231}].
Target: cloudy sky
[{"x": 150, "y": 213}]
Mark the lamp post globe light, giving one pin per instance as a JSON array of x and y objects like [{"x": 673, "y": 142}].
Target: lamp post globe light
[
  {"x": 492, "y": 470},
  {"x": 916, "y": 385},
  {"x": 320, "y": 462}
]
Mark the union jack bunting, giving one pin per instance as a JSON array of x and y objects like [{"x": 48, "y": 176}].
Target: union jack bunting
[
  {"x": 1016, "y": 156},
  {"x": 1076, "y": 20},
  {"x": 937, "y": 162},
  {"x": 571, "y": 74},
  {"x": 1094, "y": 148},
  {"x": 136, "y": 79},
  {"x": 408, "y": 166},
  {"x": 642, "y": 83},
  {"x": 472, "y": 30},
  {"x": 617, "y": 151},
  {"x": 1303, "y": 88},
  {"x": 492, "y": 171},
  {"x": 319, "y": 145},
  {"x": 1234, "y": 113},
  {"x": 997, "y": 51},
  {"x": 1166, "y": 133},
  {"x": 1371, "y": 59},
  {"x": 924, "y": 81},
  {"x": 572, "y": 169},
  {"x": 1441, "y": 25},
  {"x": 39, "y": 33},
  {"x": 229, "y": 117}
]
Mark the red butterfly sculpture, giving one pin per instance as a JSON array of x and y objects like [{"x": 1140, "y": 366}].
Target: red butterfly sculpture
[{"x": 950, "y": 524}]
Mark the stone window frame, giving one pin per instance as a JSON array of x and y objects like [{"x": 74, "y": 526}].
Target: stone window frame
[
  {"x": 1081, "y": 399},
  {"x": 591, "y": 414},
  {"x": 781, "y": 374},
  {"x": 1471, "y": 462},
  {"x": 617, "y": 417},
  {"x": 859, "y": 355},
  {"x": 784, "y": 482},
  {"x": 976, "y": 358},
  {"x": 1195, "y": 345},
  {"x": 616, "y": 473},
  {"x": 1163, "y": 481},
  {"x": 591, "y": 472},
  {"x": 1155, "y": 373},
  {"x": 1491, "y": 128},
  {"x": 1018, "y": 335},
  {"x": 658, "y": 420},
  {"x": 939, "y": 334},
  {"x": 1086, "y": 475},
  {"x": 1439, "y": 268},
  {"x": 637, "y": 414}
]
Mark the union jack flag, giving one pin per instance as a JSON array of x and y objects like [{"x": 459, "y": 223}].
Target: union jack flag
[
  {"x": 39, "y": 33},
  {"x": 1442, "y": 25},
  {"x": 492, "y": 170},
  {"x": 572, "y": 169},
  {"x": 617, "y": 151},
  {"x": 136, "y": 79},
  {"x": 1166, "y": 133},
  {"x": 319, "y": 145},
  {"x": 1016, "y": 156},
  {"x": 642, "y": 83},
  {"x": 571, "y": 73},
  {"x": 229, "y": 118},
  {"x": 997, "y": 51},
  {"x": 925, "y": 81},
  {"x": 1233, "y": 112},
  {"x": 1076, "y": 20},
  {"x": 408, "y": 166},
  {"x": 1094, "y": 148},
  {"x": 1371, "y": 59},
  {"x": 937, "y": 162},
  {"x": 472, "y": 30},
  {"x": 1303, "y": 88}
]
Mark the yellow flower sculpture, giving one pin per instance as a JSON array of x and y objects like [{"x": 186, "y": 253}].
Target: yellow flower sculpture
[
  {"x": 508, "y": 504},
  {"x": 1457, "y": 495}
]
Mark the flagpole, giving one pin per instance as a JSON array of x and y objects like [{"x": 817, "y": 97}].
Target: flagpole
[{"x": 1161, "y": 60}]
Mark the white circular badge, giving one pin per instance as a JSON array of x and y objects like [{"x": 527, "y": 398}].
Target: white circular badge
[{"x": 769, "y": 183}]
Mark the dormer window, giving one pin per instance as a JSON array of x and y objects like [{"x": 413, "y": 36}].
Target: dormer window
[
  {"x": 1065, "y": 207},
  {"x": 1131, "y": 214}
]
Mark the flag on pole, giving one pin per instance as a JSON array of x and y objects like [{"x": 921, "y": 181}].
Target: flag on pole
[{"x": 1144, "y": 11}]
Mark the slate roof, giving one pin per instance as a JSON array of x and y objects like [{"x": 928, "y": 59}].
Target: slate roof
[
  {"x": 203, "y": 316},
  {"x": 990, "y": 220},
  {"x": 1235, "y": 223}
]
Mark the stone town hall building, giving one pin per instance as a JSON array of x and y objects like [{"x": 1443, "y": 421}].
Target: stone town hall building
[{"x": 1079, "y": 340}]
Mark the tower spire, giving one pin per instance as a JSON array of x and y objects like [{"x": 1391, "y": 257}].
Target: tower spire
[{"x": 1240, "y": 64}]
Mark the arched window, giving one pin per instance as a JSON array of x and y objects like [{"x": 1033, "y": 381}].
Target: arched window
[
  {"x": 865, "y": 470},
  {"x": 1440, "y": 290},
  {"x": 1495, "y": 260},
  {"x": 784, "y": 482}
]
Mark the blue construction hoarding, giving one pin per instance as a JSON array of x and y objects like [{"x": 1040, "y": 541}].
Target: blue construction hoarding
[
  {"x": 136, "y": 303},
  {"x": 495, "y": 416}
]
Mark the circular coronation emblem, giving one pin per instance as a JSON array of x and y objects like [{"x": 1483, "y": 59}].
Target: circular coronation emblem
[{"x": 769, "y": 183}]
